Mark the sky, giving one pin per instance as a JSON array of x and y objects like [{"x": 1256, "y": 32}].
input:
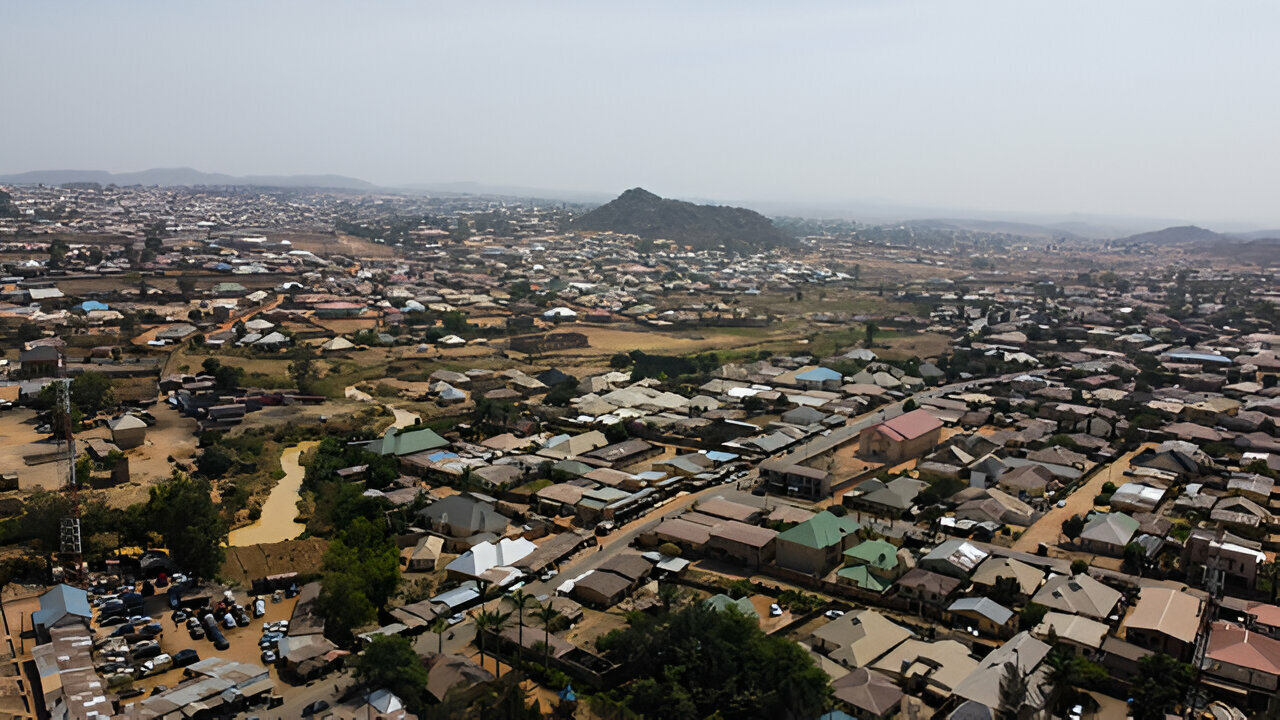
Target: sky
[{"x": 1160, "y": 108}]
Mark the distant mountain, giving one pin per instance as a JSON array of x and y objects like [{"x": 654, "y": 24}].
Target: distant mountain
[
  {"x": 1175, "y": 236},
  {"x": 511, "y": 191},
  {"x": 640, "y": 212},
  {"x": 174, "y": 177}
]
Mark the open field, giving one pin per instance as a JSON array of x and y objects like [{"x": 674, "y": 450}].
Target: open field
[{"x": 324, "y": 244}]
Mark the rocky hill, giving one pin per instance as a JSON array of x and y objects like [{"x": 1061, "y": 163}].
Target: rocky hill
[
  {"x": 640, "y": 212},
  {"x": 1174, "y": 236}
]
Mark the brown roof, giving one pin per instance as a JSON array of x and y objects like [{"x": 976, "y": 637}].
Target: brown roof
[
  {"x": 921, "y": 579},
  {"x": 727, "y": 509},
  {"x": 1232, "y": 644},
  {"x": 868, "y": 690},
  {"x": 628, "y": 565},
  {"x": 1176, "y": 614},
  {"x": 909, "y": 425},
  {"x": 744, "y": 534}
]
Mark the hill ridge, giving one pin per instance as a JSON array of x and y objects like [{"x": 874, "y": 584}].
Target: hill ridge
[{"x": 640, "y": 212}]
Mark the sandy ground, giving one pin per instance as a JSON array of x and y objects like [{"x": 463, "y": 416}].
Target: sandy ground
[
  {"x": 1048, "y": 529},
  {"x": 244, "y": 644},
  {"x": 280, "y": 511},
  {"x": 404, "y": 418}
]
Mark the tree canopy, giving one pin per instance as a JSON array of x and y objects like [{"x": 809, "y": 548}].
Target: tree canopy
[
  {"x": 181, "y": 510},
  {"x": 698, "y": 662},
  {"x": 361, "y": 572},
  {"x": 388, "y": 662}
]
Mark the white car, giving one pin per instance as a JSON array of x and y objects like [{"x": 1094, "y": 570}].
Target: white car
[
  {"x": 1060, "y": 504},
  {"x": 456, "y": 618},
  {"x": 833, "y": 614},
  {"x": 775, "y": 610}
]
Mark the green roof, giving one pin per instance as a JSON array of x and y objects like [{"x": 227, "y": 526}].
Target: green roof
[
  {"x": 876, "y": 553},
  {"x": 859, "y": 575},
  {"x": 821, "y": 531},
  {"x": 409, "y": 442}
]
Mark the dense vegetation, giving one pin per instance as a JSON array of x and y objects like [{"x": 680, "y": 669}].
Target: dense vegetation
[
  {"x": 640, "y": 212},
  {"x": 698, "y": 663}
]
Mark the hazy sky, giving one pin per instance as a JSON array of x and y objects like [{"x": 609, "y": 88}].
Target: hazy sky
[{"x": 1161, "y": 108}]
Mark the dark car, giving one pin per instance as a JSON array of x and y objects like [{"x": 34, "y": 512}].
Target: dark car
[
  {"x": 315, "y": 707},
  {"x": 758, "y": 491},
  {"x": 183, "y": 658},
  {"x": 111, "y": 608},
  {"x": 130, "y": 693},
  {"x": 147, "y": 650},
  {"x": 196, "y": 632},
  {"x": 122, "y": 630},
  {"x": 151, "y": 630}
]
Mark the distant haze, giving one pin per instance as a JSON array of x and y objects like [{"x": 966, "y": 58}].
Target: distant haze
[{"x": 1160, "y": 109}]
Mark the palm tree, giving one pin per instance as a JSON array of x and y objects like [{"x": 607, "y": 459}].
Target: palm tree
[
  {"x": 1061, "y": 678},
  {"x": 490, "y": 621},
  {"x": 521, "y": 600},
  {"x": 546, "y": 615},
  {"x": 1013, "y": 691},
  {"x": 438, "y": 626}
]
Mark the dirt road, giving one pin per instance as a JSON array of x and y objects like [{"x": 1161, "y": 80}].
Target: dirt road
[{"x": 1048, "y": 529}]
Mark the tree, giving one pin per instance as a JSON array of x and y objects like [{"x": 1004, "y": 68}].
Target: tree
[
  {"x": 1031, "y": 616},
  {"x": 700, "y": 663},
  {"x": 389, "y": 663},
  {"x": 303, "y": 370},
  {"x": 1066, "y": 674},
  {"x": 546, "y": 615},
  {"x": 186, "y": 286},
  {"x": 344, "y": 606},
  {"x": 214, "y": 462},
  {"x": 182, "y": 512},
  {"x": 1072, "y": 527},
  {"x": 41, "y": 522},
  {"x": 620, "y": 361},
  {"x": 870, "y": 334},
  {"x": 1079, "y": 566},
  {"x": 438, "y": 626},
  {"x": 1135, "y": 558},
  {"x": 521, "y": 600},
  {"x": 1160, "y": 686},
  {"x": 490, "y": 622},
  {"x": 1013, "y": 691}
]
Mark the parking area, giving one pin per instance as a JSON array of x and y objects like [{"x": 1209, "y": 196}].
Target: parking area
[{"x": 123, "y": 656}]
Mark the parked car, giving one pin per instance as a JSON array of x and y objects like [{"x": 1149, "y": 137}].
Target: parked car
[
  {"x": 833, "y": 614},
  {"x": 196, "y": 632},
  {"x": 111, "y": 608},
  {"x": 316, "y": 707},
  {"x": 775, "y": 610},
  {"x": 259, "y": 607},
  {"x": 268, "y": 657},
  {"x": 122, "y": 630},
  {"x": 456, "y": 618},
  {"x": 186, "y": 657},
  {"x": 145, "y": 649}
]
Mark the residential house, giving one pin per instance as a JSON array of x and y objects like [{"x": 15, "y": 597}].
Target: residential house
[
  {"x": 1244, "y": 666},
  {"x": 927, "y": 587},
  {"x": 1083, "y": 635},
  {"x": 1031, "y": 480},
  {"x": 935, "y": 669},
  {"x": 983, "y": 614},
  {"x": 1079, "y": 594},
  {"x": 869, "y": 693},
  {"x": 874, "y": 565},
  {"x": 1108, "y": 534},
  {"x": 890, "y": 499},
  {"x": 982, "y": 686},
  {"x": 858, "y": 638},
  {"x": 957, "y": 558},
  {"x": 815, "y": 546},
  {"x": 738, "y": 542},
  {"x": 1165, "y": 620},
  {"x": 1027, "y": 578},
  {"x": 907, "y": 436}
]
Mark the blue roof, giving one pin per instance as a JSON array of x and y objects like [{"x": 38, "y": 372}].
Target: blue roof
[
  {"x": 721, "y": 456},
  {"x": 441, "y": 455},
  {"x": 89, "y": 305},
  {"x": 837, "y": 715},
  {"x": 567, "y": 694},
  {"x": 59, "y": 602},
  {"x": 820, "y": 374}
]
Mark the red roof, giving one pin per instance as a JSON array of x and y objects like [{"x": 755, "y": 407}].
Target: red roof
[
  {"x": 1234, "y": 645},
  {"x": 910, "y": 425}
]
